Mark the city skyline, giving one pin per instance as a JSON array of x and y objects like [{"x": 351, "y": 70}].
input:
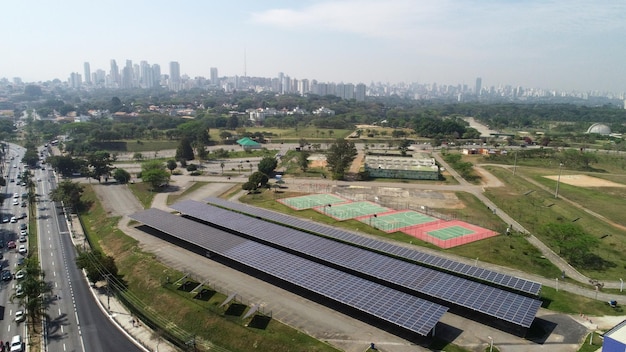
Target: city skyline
[{"x": 561, "y": 45}]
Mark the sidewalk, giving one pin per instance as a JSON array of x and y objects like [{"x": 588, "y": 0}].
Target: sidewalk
[{"x": 143, "y": 336}]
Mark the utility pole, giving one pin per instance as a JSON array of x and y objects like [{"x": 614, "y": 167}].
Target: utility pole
[{"x": 558, "y": 180}]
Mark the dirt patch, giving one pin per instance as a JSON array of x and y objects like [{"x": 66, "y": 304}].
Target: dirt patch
[
  {"x": 317, "y": 160},
  {"x": 584, "y": 181}
]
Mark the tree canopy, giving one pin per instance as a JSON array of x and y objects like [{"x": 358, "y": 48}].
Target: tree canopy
[{"x": 339, "y": 157}]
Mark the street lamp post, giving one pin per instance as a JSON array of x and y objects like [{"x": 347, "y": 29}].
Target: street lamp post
[
  {"x": 558, "y": 180},
  {"x": 557, "y": 284},
  {"x": 490, "y": 343}
]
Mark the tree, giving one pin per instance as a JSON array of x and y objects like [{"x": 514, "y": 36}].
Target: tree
[
  {"x": 35, "y": 288},
  {"x": 339, "y": 157},
  {"x": 101, "y": 163},
  {"x": 69, "y": 193},
  {"x": 249, "y": 186},
  {"x": 303, "y": 161},
  {"x": 259, "y": 179},
  {"x": 97, "y": 265},
  {"x": 171, "y": 165},
  {"x": 153, "y": 172},
  {"x": 121, "y": 176},
  {"x": 267, "y": 165},
  {"x": 184, "y": 150}
]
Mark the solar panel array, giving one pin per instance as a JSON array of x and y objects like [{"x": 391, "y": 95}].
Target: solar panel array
[
  {"x": 486, "y": 275},
  {"x": 399, "y": 308},
  {"x": 492, "y": 301}
]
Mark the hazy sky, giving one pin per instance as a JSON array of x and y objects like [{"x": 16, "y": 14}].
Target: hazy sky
[{"x": 559, "y": 44}]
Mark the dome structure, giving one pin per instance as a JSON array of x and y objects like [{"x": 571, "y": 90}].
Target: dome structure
[{"x": 599, "y": 128}]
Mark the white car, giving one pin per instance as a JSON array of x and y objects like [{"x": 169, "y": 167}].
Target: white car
[
  {"x": 20, "y": 316},
  {"x": 16, "y": 195},
  {"x": 13, "y": 219},
  {"x": 22, "y": 249},
  {"x": 16, "y": 202},
  {"x": 20, "y": 274},
  {"x": 19, "y": 291}
]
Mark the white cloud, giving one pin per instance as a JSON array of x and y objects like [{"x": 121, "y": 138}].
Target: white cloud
[{"x": 402, "y": 19}]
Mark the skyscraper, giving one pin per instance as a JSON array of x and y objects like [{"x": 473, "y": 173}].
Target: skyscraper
[
  {"x": 360, "y": 91},
  {"x": 215, "y": 80},
  {"x": 479, "y": 83},
  {"x": 87, "y": 75},
  {"x": 115, "y": 73},
  {"x": 174, "y": 82}
]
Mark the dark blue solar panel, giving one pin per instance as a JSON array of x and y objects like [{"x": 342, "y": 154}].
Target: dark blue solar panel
[
  {"x": 508, "y": 281},
  {"x": 422, "y": 280},
  {"x": 404, "y": 310}
]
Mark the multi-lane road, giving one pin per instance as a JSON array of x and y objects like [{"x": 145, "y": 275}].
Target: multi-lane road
[{"x": 74, "y": 320}]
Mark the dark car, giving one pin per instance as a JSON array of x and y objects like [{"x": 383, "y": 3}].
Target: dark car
[
  {"x": 23, "y": 216},
  {"x": 23, "y": 226},
  {"x": 6, "y": 275}
]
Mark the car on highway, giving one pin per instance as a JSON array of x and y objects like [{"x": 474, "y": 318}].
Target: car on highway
[
  {"x": 20, "y": 316},
  {"x": 11, "y": 245},
  {"x": 6, "y": 275},
  {"x": 22, "y": 249},
  {"x": 16, "y": 344}
]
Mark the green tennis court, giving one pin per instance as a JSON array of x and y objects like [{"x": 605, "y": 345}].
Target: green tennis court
[
  {"x": 450, "y": 232},
  {"x": 393, "y": 221},
  {"x": 352, "y": 210},
  {"x": 311, "y": 201}
]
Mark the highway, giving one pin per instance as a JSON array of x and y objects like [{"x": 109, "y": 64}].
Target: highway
[
  {"x": 75, "y": 322},
  {"x": 9, "y": 230}
]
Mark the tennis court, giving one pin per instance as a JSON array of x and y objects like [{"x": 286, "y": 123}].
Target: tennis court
[
  {"x": 312, "y": 201},
  {"x": 397, "y": 220},
  {"x": 351, "y": 210},
  {"x": 448, "y": 234}
]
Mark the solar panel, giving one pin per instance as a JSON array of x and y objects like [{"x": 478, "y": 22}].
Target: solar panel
[
  {"x": 396, "y": 272},
  {"x": 482, "y": 274},
  {"x": 399, "y": 308}
]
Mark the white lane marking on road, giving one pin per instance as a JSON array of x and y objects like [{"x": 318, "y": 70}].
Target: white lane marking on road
[{"x": 60, "y": 313}]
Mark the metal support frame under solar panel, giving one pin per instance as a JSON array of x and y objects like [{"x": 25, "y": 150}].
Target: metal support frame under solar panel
[
  {"x": 404, "y": 311},
  {"x": 437, "y": 286},
  {"x": 508, "y": 282}
]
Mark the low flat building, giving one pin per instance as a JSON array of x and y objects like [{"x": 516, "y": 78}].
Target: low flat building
[{"x": 418, "y": 167}]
